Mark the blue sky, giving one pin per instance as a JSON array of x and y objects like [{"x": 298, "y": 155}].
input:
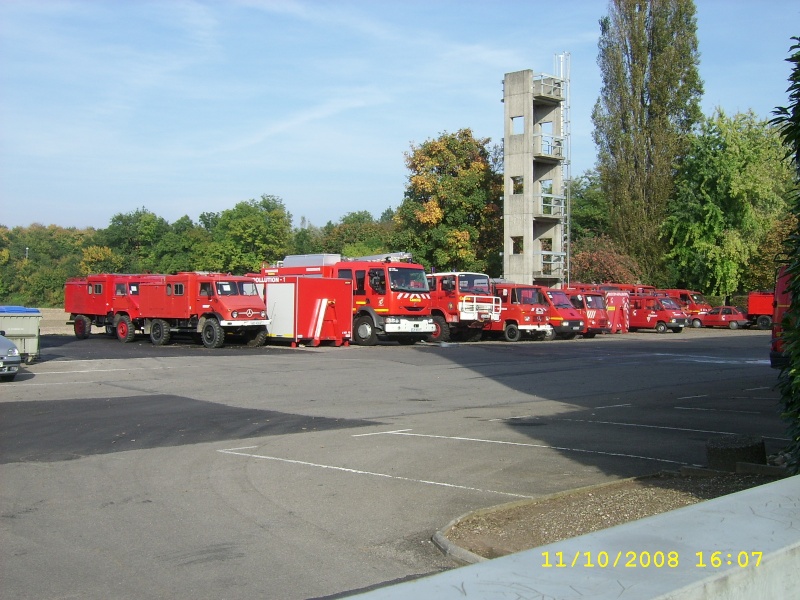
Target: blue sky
[{"x": 184, "y": 107}]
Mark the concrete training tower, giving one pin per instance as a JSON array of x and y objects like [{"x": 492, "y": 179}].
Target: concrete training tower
[{"x": 536, "y": 169}]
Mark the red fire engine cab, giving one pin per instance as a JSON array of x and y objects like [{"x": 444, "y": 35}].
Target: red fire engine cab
[
  {"x": 462, "y": 305},
  {"x": 206, "y": 305},
  {"x": 592, "y": 306},
  {"x": 524, "y": 310},
  {"x": 391, "y": 299}
]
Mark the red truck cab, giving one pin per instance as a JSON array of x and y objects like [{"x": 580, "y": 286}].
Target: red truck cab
[
  {"x": 524, "y": 311},
  {"x": 391, "y": 299},
  {"x": 592, "y": 306},
  {"x": 778, "y": 358},
  {"x": 462, "y": 305},
  {"x": 567, "y": 323}
]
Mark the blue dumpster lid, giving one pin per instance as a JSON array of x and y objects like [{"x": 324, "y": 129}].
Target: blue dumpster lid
[{"x": 18, "y": 310}]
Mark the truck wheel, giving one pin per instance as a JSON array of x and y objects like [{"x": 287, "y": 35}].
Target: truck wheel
[
  {"x": 441, "y": 332},
  {"x": 82, "y": 327},
  {"x": 125, "y": 331},
  {"x": 661, "y": 327},
  {"x": 364, "y": 331},
  {"x": 733, "y": 325},
  {"x": 159, "y": 332},
  {"x": 257, "y": 338},
  {"x": 549, "y": 335},
  {"x": 213, "y": 335},
  {"x": 697, "y": 323},
  {"x": 511, "y": 333},
  {"x": 764, "y": 322}
]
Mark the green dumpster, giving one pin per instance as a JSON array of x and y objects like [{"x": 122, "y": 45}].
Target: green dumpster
[{"x": 21, "y": 326}]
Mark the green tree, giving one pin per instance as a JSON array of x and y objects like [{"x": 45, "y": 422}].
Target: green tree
[
  {"x": 730, "y": 192},
  {"x": 360, "y": 232},
  {"x": 449, "y": 216},
  {"x": 648, "y": 104},
  {"x": 248, "y": 234},
  {"x": 134, "y": 236},
  {"x": 588, "y": 208},
  {"x": 788, "y": 120}
]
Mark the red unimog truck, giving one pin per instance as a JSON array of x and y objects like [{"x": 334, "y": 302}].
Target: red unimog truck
[
  {"x": 524, "y": 311},
  {"x": 391, "y": 299},
  {"x": 462, "y": 305},
  {"x": 207, "y": 305}
]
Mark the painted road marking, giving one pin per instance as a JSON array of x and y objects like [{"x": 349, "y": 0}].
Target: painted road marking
[
  {"x": 544, "y": 446},
  {"x": 722, "y": 410},
  {"x": 235, "y": 452}
]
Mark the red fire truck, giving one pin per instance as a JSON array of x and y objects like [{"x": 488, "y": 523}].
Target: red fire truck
[
  {"x": 391, "y": 299},
  {"x": 656, "y": 312},
  {"x": 524, "y": 310},
  {"x": 592, "y": 306},
  {"x": 566, "y": 322},
  {"x": 462, "y": 305},
  {"x": 207, "y": 305},
  {"x": 692, "y": 303},
  {"x": 778, "y": 359},
  {"x": 760, "y": 308}
]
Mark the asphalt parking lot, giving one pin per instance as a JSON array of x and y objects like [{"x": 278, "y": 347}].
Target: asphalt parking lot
[{"x": 130, "y": 470}]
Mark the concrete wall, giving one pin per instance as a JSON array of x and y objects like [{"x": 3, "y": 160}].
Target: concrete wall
[{"x": 763, "y": 520}]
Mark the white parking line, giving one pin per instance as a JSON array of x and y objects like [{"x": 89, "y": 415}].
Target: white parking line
[
  {"x": 721, "y": 410},
  {"x": 545, "y": 446},
  {"x": 234, "y": 452},
  {"x": 646, "y": 426}
]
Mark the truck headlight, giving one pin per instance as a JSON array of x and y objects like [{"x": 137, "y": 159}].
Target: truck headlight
[{"x": 234, "y": 314}]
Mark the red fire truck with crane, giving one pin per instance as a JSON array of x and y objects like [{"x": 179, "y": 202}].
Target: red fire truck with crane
[
  {"x": 462, "y": 305},
  {"x": 523, "y": 311},
  {"x": 206, "y": 305},
  {"x": 391, "y": 299}
]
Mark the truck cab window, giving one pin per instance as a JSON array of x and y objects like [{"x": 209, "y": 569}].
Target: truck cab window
[
  {"x": 377, "y": 280},
  {"x": 205, "y": 289}
]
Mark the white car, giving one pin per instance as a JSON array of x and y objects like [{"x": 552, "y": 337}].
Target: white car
[{"x": 10, "y": 359}]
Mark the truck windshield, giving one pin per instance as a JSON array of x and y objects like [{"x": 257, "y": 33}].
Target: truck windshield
[
  {"x": 597, "y": 302},
  {"x": 473, "y": 283},
  {"x": 530, "y": 296},
  {"x": 247, "y": 288},
  {"x": 559, "y": 299},
  {"x": 403, "y": 279},
  {"x": 670, "y": 304},
  {"x": 227, "y": 288}
]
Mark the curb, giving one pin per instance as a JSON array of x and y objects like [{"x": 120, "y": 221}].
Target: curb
[{"x": 463, "y": 555}]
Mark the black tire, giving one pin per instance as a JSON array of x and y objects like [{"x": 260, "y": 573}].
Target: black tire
[
  {"x": 661, "y": 327},
  {"x": 697, "y": 323},
  {"x": 764, "y": 322},
  {"x": 258, "y": 338},
  {"x": 159, "y": 332},
  {"x": 82, "y": 327},
  {"x": 549, "y": 335},
  {"x": 125, "y": 330},
  {"x": 364, "y": 333},
  {"x": 111, "y": 331},
  {"x": 733, "y": 325},
  {"x": 212, "y": 334},
  {"x": 511, "y": 333},
  {"x": 441, "y": 332}
]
